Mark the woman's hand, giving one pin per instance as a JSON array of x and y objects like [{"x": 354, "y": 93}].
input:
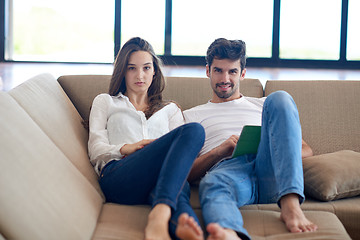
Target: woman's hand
[{"x": 128, "y": 149}]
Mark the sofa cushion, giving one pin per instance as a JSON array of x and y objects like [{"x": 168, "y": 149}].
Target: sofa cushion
[
  {"x": 121, "y": 222},
  {"x": 347, "y": 210},
  {"x": 267, "y": 225},
  {"x": 332, "y": 176},
  {"x": 128, "y": 222},
  {"x": 45, "y": 101},
  {"x": 43, "y": 196}
]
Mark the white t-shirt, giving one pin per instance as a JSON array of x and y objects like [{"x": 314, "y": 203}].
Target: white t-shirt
[
  {"x": 114, "y": 122},
  {"x": 221, "y": 120}
]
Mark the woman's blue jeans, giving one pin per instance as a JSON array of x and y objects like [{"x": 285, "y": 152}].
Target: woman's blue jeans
[
  {"x": 157, "y": 173},
  {"x": 276, "y": 169}
]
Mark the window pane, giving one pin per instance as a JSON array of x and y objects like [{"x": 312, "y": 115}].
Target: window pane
[
  {"x": 67, "y": 30},
  {"x": 196, "y": 24},
  {"x": 310, "y": 29},
  {"x": 145, "y": 19},
  {"x": 353, "y": 37}
]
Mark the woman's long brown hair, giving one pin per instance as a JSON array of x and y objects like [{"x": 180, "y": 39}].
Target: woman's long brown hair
[{"x": 117, "y": 83}]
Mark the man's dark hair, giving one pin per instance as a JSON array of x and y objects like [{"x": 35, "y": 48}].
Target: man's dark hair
[{"x": 222, "y": 48}]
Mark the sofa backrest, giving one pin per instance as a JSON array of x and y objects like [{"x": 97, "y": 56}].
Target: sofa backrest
[
  {"x": 190, "y": 92},
  {"x": 187, "y": 92},
  {"x": 43, "y": 195},
  {"x": 82, "y": 89},
  {"x": 329, "y": 112},
  {"x": 47, "y": 104}
]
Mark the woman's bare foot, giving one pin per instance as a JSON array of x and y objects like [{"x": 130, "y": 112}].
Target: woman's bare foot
[
  {"x": 216, "y": 232},
  {"x": 188, "y": 228},
  {"x": 293, "y": 216},
  {"x": 158, "y": 222}
]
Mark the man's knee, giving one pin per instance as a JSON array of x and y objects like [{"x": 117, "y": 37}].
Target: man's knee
[{"x": 280, "y": 100}]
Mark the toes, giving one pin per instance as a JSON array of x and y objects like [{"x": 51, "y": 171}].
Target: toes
[
  {"x": 312, "y": 227},
  {"x": 303, "y": 228},
  {"x": 183, "y": 219}
]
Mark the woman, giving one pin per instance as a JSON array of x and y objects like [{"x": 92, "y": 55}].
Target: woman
[{"x": 138, "y": 144}]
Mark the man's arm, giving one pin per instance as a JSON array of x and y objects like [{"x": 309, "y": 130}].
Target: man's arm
[
  {"x": 203, "y": 163},
  {"x": 306, "y": 150}
]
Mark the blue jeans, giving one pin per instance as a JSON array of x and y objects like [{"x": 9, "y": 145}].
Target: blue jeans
[
  {"x": 157, "y": 173},
  {"x": 276, "y": 169}
]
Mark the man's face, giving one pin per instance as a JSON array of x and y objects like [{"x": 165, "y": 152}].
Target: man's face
[{"x": 225, "y": 76}]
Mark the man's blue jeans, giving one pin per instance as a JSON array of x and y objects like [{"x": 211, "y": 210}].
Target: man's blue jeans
[
  {"x": 276, "y": 169},
  {"x": 157, "y": 173}
]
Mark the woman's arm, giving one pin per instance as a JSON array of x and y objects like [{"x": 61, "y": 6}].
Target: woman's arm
[
  {"x": 128, "y": 149},
  {"x": 98, "y": 144}
]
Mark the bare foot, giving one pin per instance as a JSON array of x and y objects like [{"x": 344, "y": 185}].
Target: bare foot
[
  {"x": 188, "y": 228},
  {"x": 216, "y": 232},
  {"x": 158, "y": 221},
  {"x": 293, "y": 216}
]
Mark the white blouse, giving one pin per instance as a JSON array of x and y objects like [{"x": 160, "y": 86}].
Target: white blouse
[{"x": 114, "y": 122}]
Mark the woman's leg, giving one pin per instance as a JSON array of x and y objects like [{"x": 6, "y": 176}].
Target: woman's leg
[
  {"x": 183, "y": 206},
  {"x": 157, "y": 173},
  {"x": 159, "y": 169},
  {"x": 180, "y": 155}
]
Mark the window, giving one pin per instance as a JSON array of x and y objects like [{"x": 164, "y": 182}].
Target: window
[
  {"x": 310, "y": 29},
  {"x": 145, "y": 19},
  {"x": 278, "y": 33},
  {"x": 353, "y": 38},
  {"x": 62, "y": 31},
  {"x": 195, "y": 24}
]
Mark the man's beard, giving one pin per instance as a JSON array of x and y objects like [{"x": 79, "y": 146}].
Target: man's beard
[{"x": 222, "y": 94}]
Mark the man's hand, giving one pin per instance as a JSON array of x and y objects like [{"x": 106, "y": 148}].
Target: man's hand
[
  {"x": 128, "y": 149},
  {"x": 209, "y": 159},
  {"x": 226, "y": 148}
]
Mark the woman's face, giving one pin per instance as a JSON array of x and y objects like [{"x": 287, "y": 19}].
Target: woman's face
[{"x": 139, "y": 72}]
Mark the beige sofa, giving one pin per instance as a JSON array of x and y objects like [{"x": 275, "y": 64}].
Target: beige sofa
[{"x": 49, "y": 190}]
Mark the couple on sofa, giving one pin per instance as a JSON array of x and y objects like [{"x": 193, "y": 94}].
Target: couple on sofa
[{"x": 145, "y": 149}]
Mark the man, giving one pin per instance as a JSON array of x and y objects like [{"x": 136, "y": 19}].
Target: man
[{"x": 273, "y": 175}]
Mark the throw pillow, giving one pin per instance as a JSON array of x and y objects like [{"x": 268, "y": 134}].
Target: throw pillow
[{"x": 332, "y": 176}]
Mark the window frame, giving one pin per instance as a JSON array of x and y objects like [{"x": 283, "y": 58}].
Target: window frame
[{"x": 273, "y": 62}]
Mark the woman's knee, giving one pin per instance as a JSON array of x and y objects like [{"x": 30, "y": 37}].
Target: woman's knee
[
  {"x": 195, "y": 130},
  {"x": 195, "y": 127}
]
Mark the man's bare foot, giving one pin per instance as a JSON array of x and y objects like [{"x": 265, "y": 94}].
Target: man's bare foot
[
  {"x": 158, "y": 222},
  {"x": 216, "y": 232},
  {"x": 188, "y": 228},
  {"x": 293, "y": 216}
]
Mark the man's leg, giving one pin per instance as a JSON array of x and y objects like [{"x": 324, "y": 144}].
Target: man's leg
[
  {"x": 279, "y": 162},
  {"x": 223, "y": 190}
]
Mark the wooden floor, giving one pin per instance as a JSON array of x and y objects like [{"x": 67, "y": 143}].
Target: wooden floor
[{"x": 13, "y": 74}]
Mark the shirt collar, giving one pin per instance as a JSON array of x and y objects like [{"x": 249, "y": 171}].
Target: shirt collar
[{"x": 120, "y": 95}]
